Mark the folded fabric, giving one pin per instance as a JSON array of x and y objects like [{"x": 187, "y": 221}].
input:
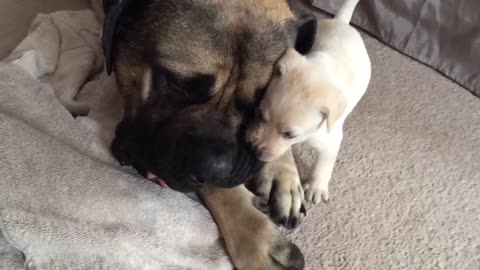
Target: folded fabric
[
  {"x": 65, "y": 204},
  {"x": 63, "y": 49}
]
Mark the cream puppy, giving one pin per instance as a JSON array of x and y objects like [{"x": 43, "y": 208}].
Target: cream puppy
[{"x": 309, "y": 99}]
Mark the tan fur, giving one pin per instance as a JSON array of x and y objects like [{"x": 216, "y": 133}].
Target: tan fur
[
  {"x": 247, "y": 252},
  {"x": 132, "y": 77},
  {"x": 274, "y": 8}
]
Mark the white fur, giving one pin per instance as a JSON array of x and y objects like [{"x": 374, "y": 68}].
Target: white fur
[{"x": 337, "y": 43}]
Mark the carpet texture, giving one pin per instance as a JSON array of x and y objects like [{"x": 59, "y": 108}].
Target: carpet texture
[{"x": 404, "y": 194}]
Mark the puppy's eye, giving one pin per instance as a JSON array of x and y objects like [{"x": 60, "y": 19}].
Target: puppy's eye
[{"x": 288, "y": 135}]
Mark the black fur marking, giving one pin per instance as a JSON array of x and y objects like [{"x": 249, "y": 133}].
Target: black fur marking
[
  {"x": 180, "y": 91},
  {"x": 113, "y": 11}
]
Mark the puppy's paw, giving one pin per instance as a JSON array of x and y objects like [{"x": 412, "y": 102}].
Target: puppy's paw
[
  {"x": 316, "y": 193},
  {"x": 286, "y": 200}
]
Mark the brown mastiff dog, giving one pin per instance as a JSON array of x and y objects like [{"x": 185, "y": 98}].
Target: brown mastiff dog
[{"x": 191, "y": 73}]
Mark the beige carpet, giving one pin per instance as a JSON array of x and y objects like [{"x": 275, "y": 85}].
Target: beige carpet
[{"x": 405, "y": 192}]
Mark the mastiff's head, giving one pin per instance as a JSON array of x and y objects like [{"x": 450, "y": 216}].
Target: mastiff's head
[{"x": 191, "y": 73}]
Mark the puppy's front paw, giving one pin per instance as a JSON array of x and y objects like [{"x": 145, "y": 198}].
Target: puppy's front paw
[
  {"x": 286, "y": 200},
  {"x": 315, "y": 192}
]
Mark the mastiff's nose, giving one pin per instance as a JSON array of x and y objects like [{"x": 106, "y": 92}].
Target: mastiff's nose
[{"x": 209, "y": 154}]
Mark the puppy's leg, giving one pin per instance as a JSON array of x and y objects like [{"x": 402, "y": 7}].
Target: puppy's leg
[
  {"x": 251, "y": 239},
  {"x": 316, "y": 188},
  {"x": 280, "y": 184}
]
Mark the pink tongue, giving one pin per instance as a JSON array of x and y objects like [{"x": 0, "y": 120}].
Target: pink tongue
[
  {"x": 163, "y": 184},
  {"x": 152, "y": 177}
]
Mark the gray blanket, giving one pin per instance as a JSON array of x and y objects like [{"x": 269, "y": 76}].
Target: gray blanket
[
  {"x": 65, "y": 204},
  {"x": 442, "y": 34}
]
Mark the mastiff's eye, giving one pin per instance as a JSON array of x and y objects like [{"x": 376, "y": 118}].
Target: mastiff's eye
[
  {"x": 196, "y": 89},
  {"x": 181, "y": 89},
  {"x": 288, "y": 135}
]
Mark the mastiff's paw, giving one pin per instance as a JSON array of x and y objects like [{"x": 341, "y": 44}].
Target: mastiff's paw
[
  {"x": 253, "y": 241},
  {"x": 286, "y": 200},
  {"x": 262, "y": 247}
]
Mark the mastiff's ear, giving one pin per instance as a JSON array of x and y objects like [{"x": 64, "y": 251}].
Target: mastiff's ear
[
  {"x": 113, "y": 10},
  {"x": 306, "y": 29}
]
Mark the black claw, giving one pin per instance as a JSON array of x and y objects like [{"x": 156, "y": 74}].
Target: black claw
[
  {"x": 293, "y": 223},
  {"x": 284, "y": 221},
  {"x": 303, "y": 210}
]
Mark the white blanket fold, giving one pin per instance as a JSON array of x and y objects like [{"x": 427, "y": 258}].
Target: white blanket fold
[{"x": 62, "y": 48}]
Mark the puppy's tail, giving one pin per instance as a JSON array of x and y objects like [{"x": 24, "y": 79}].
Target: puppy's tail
[{"x": 346, "y": 11}]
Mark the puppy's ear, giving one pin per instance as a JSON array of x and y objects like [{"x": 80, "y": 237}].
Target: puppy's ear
[
  {"x": 113, "y": 10},
  {"x": 332, "y": 104},
  {"x": 280, "y": 68},
  {"x": 282, "y": 63},
  {"x": 306, "y": 28}
]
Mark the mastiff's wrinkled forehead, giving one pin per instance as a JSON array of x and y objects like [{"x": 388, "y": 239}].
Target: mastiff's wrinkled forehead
[{"x": 190, "y": 72}]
